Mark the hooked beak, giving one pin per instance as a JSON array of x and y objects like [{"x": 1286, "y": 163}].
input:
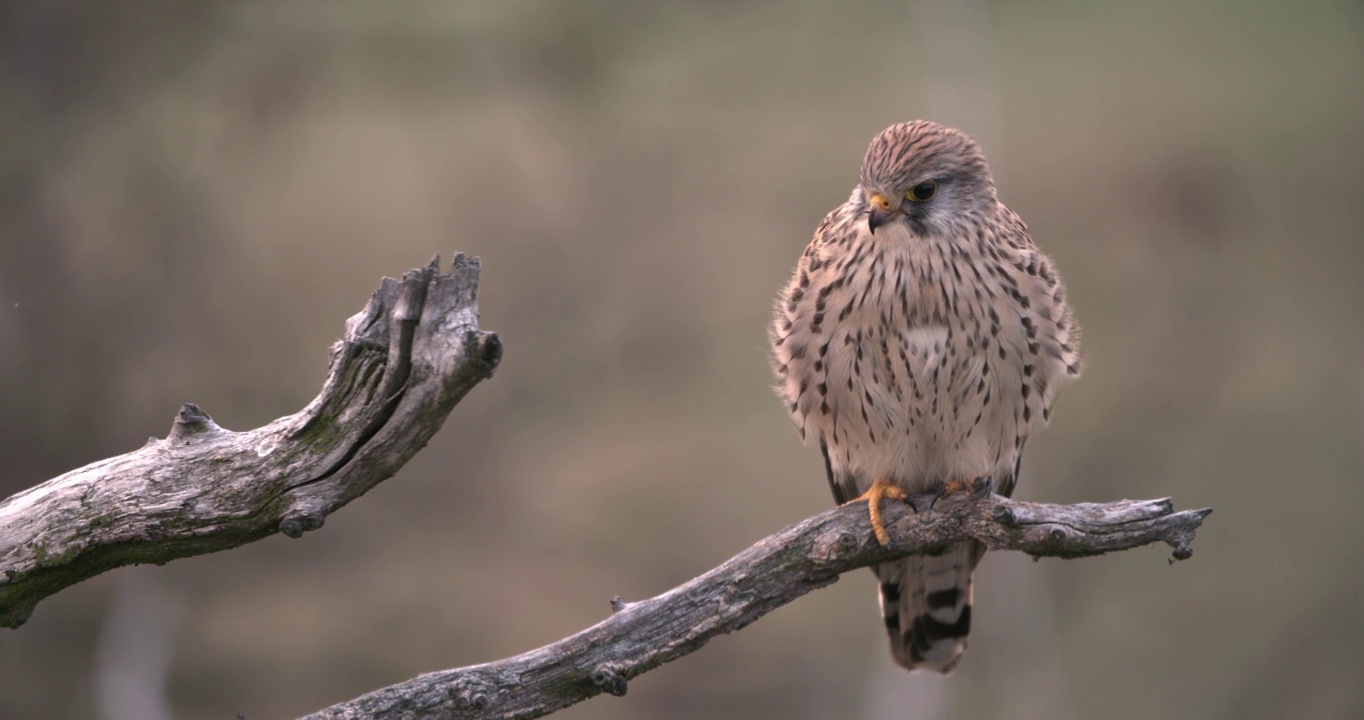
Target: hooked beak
[{"x": 882, "y": 211}]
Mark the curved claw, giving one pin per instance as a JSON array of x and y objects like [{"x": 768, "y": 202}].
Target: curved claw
[{"x": 880, "y": 488}]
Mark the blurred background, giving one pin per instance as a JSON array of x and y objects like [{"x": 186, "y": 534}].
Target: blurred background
[{"x": 194, "y": 196}]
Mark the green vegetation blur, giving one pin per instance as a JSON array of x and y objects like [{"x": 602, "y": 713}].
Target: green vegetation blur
[{"x": 194, "y": 196}]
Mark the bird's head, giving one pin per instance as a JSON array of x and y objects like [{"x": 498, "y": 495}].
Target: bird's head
[{"x": 925, "y": 175}]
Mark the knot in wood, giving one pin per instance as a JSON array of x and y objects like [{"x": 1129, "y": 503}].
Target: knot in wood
[
  {"x": 610, "y": 678},
  {"x": 472, "y": 693},
  {"x": 487, "y": 347},
  {"x": 835, "y": 544}
]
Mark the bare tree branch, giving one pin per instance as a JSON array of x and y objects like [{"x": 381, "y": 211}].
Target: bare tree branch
[
  {"x": 405, "y": 361},
  {"x": 778, "y": 569}
]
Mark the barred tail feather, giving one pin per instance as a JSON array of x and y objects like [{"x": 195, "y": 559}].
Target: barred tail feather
[{"x": 926, "y": 603}]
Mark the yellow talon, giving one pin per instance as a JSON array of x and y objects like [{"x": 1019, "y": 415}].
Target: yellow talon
[
  {"x": 970, "y": 487},
  {"x": 952, "y": 487},
  {"x": 879, "y": 489}
]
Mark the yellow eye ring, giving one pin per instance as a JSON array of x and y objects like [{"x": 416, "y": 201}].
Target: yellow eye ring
[{"x": 923, "y": 192}]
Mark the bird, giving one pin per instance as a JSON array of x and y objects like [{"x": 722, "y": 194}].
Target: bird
[{"x": 921, "y": 339}]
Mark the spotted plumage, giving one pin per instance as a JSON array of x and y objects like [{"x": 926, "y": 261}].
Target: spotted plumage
[{"x": 921, "y": 339}]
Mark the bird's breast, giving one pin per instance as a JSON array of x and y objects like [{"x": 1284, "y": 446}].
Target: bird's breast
[{"x": 886, "y": 365}]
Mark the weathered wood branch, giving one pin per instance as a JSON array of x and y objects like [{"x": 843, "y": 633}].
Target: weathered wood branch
[
  {"x": 405, "y": 361},
  {"x": 641, "y": 636}
]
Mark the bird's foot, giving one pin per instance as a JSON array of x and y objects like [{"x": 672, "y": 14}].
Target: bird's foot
[
  {"x": 974, "y": 489},
  {"x": 879, "y": 489},
  {"x": 982, "y": 486}
]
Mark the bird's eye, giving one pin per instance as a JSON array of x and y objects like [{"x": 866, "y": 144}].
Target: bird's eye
[{"x": 922, "y": 192}]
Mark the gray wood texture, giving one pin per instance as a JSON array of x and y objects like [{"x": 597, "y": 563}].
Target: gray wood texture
[
  {"x": 403, "y": 364},
  {"x": 643, "y": 635}
]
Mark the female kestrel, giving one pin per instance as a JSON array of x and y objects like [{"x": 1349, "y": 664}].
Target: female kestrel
[{"x": 921, "y": 339}]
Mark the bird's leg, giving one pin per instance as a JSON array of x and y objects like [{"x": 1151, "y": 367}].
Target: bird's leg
[{"x": 880, "y": 488}]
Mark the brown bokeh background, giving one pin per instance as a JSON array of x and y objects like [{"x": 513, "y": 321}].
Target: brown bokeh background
[{"x": 194, "y": 196}]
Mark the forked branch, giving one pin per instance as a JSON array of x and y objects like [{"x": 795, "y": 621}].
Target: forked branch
[{"x": 405, "y": 361}]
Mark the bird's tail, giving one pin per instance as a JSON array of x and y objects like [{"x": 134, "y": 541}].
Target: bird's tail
[{"x": 926, "y": 602}]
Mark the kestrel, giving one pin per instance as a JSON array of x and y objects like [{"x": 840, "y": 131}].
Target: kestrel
[{"x": 920, "y": 341}]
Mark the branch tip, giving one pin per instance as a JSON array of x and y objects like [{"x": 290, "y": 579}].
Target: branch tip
[
  {"x": 191, "y": 421},
  {"x": 462, "y": 261},
  {"x": 295, "y": 525},
  {"x": 412, "y": 295}
]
